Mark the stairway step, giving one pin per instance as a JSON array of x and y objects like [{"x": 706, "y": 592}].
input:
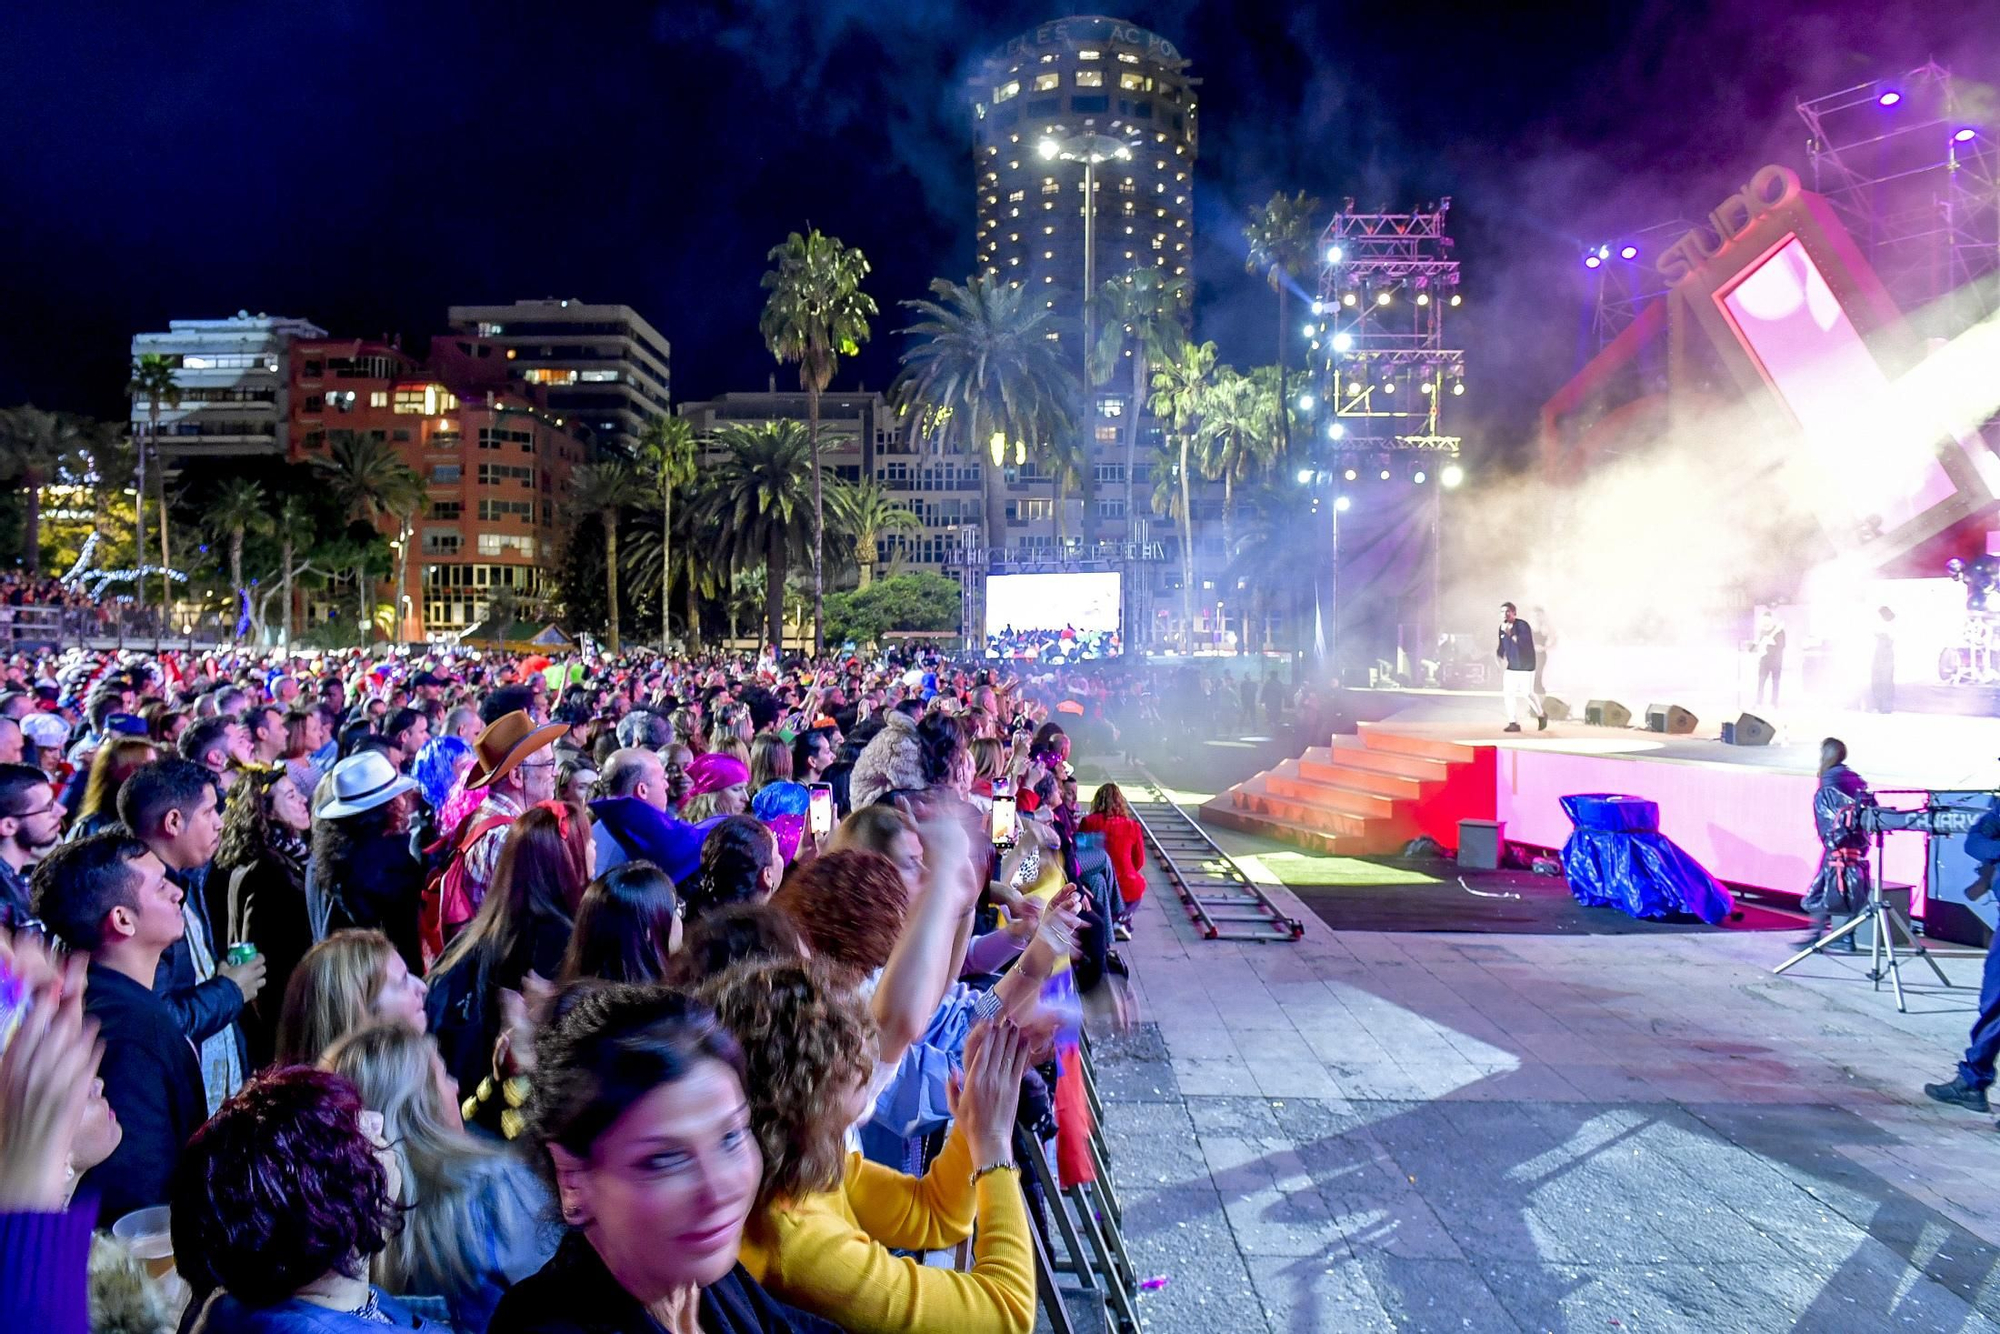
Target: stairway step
[
  {"x": 1359, "y": 755},
  {"x": 1378, "y": 737},
  {"x": 1380, "y": 834},
  {"x": 1221, "y": 812},
  {"x": 1334, "y": 795},
  {"x": 1323, "y": 765}
]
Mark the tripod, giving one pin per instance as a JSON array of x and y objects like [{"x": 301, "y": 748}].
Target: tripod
[{"x": 1882, "y": 957}]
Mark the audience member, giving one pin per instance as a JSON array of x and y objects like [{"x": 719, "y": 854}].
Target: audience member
[
  {"x": 740, "y": 863},
  {"x": 347, "y": 981},
  {"x": 627, "y": 927},
  {"x": 260, "y": 866},
  {"x": 30, "y": 825},
  {"x": 364, "y": 873}
]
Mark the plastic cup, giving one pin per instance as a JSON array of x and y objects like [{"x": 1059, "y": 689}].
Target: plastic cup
[{"x": 148, "y": 1233}]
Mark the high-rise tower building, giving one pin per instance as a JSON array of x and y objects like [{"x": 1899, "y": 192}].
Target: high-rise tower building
[{"x": 601, "y": 364}]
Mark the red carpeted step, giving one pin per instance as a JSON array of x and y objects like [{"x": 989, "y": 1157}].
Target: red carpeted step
[
  {"x": 1403, "y": 741},
  {"x": 1336, "y": 795},
  {"x": 1356, "y": 755}
]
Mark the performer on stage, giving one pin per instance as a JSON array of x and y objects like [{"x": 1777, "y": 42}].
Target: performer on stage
[
  {"x": 1770, "y": 651},
  {"x": 1517, "y": 682},
  {"x": 1975, "y": 1073},
  {"x": 1841, "y": 883}
]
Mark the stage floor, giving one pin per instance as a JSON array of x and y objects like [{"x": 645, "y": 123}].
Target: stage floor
[{"x": 1897, "y": 750}]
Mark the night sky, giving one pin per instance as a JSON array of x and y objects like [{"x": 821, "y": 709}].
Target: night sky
[{"x": 366, "y": 164}]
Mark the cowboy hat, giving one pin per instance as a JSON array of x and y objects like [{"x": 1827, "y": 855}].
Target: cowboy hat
[
  {"x": 361, "y": 782},
  {"x": 507, "y": 740}
]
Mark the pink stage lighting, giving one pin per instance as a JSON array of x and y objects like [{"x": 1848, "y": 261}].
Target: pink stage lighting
[
  {"x": 1965, "y": 136},
  {"x": 1629, "y": 252},
  {"x": 1591, "y": 260},
  {"x": 1889, "y": 98}
]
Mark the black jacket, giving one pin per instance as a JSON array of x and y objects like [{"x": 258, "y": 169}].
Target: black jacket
[
  {"x": 1517, "y": 646},
  {"x": 267, "y": 907},
  {"x": 575, "y": 1294},
  {"x": 152, "y": 1079},
  {"x": 380, "y": 888}
]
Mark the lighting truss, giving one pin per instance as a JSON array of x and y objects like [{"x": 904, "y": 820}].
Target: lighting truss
[
  {"x": 1625, "y": 286},
  {"x": 1923, "y": 204},
  {"x": 1382, "y": 370}
]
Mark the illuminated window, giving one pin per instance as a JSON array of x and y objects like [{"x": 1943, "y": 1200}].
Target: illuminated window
[
  {"x": 1015, "y": 212},
  {"x": 1011, "y": 236},
  {"x": 1016, "y": 196},
  {"x": 1134, "y": 83},
  {"x": 1049, "y": 230},
  {"x": 1014, "y": 165},
  {"x": 1107, "y": 435},
  {"x": 1128, "y": 58},
  {"x": 598, "y": 377},
  {"x": 1090, "y": 78},
  {"x": 1049, "y": 58},
  {"x": 1089, "y": 55},
  {"x": 544, "y": 375},
  {"x": 1049, "y": 186},
  {"x": 1125, "y": 187},
  {"x": 1044, "y": 82},
  {"x": 378, "y": 398},
  {"x": 502, "y": 544},
  {"x": 1048, "y": 254},
  {"x": 429, "y": 401},
  {"x": 1006, "y": 90},
  {"x": 1159, "y": 243},
  {"x": 1111, "y": 407},
  {"x": 1049, "y": 279},
  {"x": 1013, "y": 259}
]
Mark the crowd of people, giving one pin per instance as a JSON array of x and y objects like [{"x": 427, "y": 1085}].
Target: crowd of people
[{"x": 500, "y": 993}]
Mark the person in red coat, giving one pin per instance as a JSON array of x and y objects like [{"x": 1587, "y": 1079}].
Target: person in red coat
[{"x": 1124, "y": 843}]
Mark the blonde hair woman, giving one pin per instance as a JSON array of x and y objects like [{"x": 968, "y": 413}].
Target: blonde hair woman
[
  {"x": 348, "y": 980},
  {"x": 473, "y": 1212}
]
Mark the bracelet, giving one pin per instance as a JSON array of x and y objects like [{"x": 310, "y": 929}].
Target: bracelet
[{"x": 993, "y": 1167}]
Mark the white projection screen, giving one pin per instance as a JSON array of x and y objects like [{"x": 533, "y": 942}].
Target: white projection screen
[{"x": 1053, "y": 618}]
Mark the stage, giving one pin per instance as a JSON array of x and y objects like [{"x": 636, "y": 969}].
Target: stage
[{"x": 1423, "y": 760}]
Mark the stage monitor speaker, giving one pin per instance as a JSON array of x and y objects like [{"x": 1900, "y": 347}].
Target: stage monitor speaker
[
  {"x": 1557, "y": 710},
  {"x": 1748, "y": 730},
  {"x": 1607, "y": 713},
  {"x": 1670, "y": 718}
]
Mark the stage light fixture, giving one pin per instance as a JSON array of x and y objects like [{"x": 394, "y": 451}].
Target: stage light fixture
[
  {"x": 1383, "y": 298},
  {"x": 1306, "y": 402},
  {"x": 1428, "y": 387},
  {"x": 1604, "y": 252},
  {"x": 1305, "y": 476},
  {"x": 1349, "y": 474},
  {"x": 1347, "y": 300},
  {"x": 1343, "y": 504},
  {"x": 1889, "y": 98},
  {"x": 1388, "y": 386},
  {"x": 1965, "y": 136},
  {"x": 1629, "y": 252},
  {"x": 1335, "y": 430},
  {"x": 1418, "y": 477},
  {"x": 1334, "y": 254},
  {"x": 1319, "y": 307},
  {"x": 1454, "y": 298},
  {"x": 1591, "y": 261},
  {"x": 1048, "y": 148},
  {"x": 1423, "y": 298},
  {"x": 1458, "y": 386},
  {"x": 1450, "y": 475},
  {"x": 1385, "y": 474},
  {"x": 1309, "y": 330},
  {"x": 1341, "y": 342}
]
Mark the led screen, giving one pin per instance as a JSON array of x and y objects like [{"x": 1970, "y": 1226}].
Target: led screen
[
  {"x": 1877, "y": 476},
  {"x": 1052, "y": 618}
]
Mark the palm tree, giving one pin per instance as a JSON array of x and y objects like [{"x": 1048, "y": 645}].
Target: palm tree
[
  {"x": 1274, "y": 551},
  {"x": 692, "y": 535},
  {"x": 1237, "y": 438},
  {"x": 985, "y": 370},
  {"x": 1140, "y": 319},
  {"x": 667, "y": 452},
  {"x": 1281, "y": 241},
  {"x": 815, "y": 315},
  {"x": 369, "y": 480},
  {"x": 862, "y": 513},
  {"x": 601, "y": 490},
  {"x": 1179, "y": 387},
  {"x": 295, "y": 520},
  {"x": 31, "y": 444},
  {"x": 152, "y": 380},
  {"x": 240, "y": 508},
  {"x": 761, "y": 506}
]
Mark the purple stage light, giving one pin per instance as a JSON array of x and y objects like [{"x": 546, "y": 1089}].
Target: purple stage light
[
  {"x": 1889, "y": 98},
  {"x": 1965, "y": 136},
  {"x": 1629, "y": 252},
  {"x": 1591, "y": 261}
]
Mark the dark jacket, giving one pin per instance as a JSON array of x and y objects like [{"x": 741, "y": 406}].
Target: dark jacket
[
  {"x": 225, "y": 1315},
  {"x": 462, "y": 1010},
  {"x": 203, "y": 1008},
  {"x": 1517, "y": 646},
  {"x": 266, "y": 906},
  {"x": 575, "y": 1294},
  {"x": 152, "y": 1080},
  {"x": 381, "y": 888}
]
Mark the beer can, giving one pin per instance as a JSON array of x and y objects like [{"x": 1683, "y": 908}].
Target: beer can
[{"x": 241, "y": 952}]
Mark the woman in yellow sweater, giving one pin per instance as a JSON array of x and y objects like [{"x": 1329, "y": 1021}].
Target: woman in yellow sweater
[{"x": 825, "y": 1220}]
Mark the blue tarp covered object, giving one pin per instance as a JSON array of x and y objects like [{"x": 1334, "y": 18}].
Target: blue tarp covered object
[{"x": 1619, "y": 858}]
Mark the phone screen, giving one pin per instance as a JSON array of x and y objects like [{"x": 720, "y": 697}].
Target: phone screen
[
  {"x": 819, "y": 807},
  {"x": 1003, "y": 820}
]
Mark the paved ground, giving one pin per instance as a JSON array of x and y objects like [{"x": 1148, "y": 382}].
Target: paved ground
[{"x": 1455, "y": 1132}]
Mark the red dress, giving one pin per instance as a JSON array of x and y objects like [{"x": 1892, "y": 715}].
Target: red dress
[{"x": 1126, "y": 847}]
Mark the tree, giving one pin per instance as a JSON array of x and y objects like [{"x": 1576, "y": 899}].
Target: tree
[
  {"x": 919, "y": 600},
  {"x": 667, "y": 452},
  {"x": 762, "y": 507},
  {"x": 1237, "y": 436},
  {"x": 152, "y": 380},
  {"x": 239, "y": 508},
  {"x": 862, "y": 512},
  {"x": 693, "y": 536},
  {"x": 1281, "y": 241},
  {"x": 295, "y": 521},
  {"x": 1140, "y": 320},
  {"x": 600, "y": 490},
  {"x": 1178, "y": 389},
  {"x": 369, "y": 481},
  {"x": 816, "y": 314},
  {"x": 32, "y": 442},
  {"x": 984, "y": 369}
]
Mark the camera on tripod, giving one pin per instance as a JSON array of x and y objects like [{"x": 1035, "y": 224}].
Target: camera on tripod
[{"x": 1931, "y": 818}]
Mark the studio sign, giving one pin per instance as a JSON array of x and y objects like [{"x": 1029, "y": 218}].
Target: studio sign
[{"x": 1770, "y": 188}]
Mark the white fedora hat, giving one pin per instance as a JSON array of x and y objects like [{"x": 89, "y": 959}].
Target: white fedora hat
[{"x": 363, "y": 782}]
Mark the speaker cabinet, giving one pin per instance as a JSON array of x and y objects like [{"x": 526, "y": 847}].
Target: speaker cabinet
[
  {"x": 1749, "y": 730},
  {"x": 1607, "y": 713},
  {"x": 1669, "y": 718},
  {"x": 1557, "y": 710}
]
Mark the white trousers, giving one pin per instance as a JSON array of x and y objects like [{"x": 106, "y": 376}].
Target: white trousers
[{"x": 1516, "y": 687}]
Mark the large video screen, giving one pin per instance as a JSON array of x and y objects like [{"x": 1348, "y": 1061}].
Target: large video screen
[
  {"x": 1053, "y": 618},
  {"x": 1842, "y": 399}
]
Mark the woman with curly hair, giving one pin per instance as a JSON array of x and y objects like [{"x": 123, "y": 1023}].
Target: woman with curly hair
[
  {"x": 472, "y": 1211},
  {"x": 260, "y": 873},
  {"x": 828, "y": 1222},
  {"x": 740, "y": 863},
  {"x": 639, "y": 1120},
  {"x": 279, "y": 1202},
  {"x": 116, "y": 760},
  {"x": 348, "y": 980}
]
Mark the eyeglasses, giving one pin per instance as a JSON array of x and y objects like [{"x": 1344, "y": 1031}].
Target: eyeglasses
[{"x": 536, "y": 764}]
